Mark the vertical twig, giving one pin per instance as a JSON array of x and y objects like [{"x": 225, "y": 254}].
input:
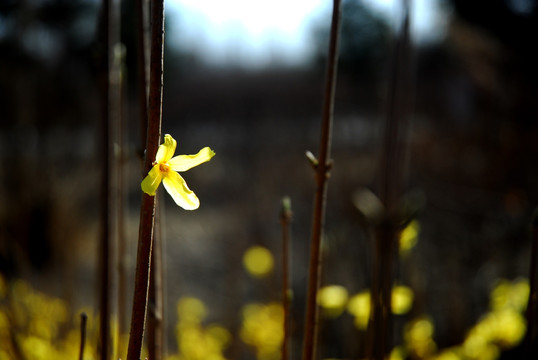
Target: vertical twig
[
  {"x": 83, "y": 321},
  {"x": 322, "y": 168},
  {"x": 107, "y": 43},
  {"x": 285, "y": 220},
  {"x": 121, "y": 255},
  {"x": 147, "y": 211},
  {"x": 155, "y": 296},
  {"x": 142, "y": 68},
  {"x": 390, "y": 178},
  {"x": 155, "y": 301},
  {"x": 532, "y": 304}
]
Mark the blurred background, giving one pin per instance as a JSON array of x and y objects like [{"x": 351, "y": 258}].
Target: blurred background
[{"x": 246, "y": 78}]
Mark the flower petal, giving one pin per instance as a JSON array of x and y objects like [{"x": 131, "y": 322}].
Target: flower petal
[
  {"x": 166, "y": 150},
  {"x": 180, "y": 192},
  {"x": 151, "y": 182},
  {"x": 185, "y": 162}
]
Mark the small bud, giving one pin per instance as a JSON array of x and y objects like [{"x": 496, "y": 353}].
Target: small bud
[
  {"x": 286, "y": 208},
  {"x": 369, "y": 205},
  {"x": 313, "y": 161}
]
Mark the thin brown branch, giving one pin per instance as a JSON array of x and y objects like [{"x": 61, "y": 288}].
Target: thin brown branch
[
  {"x": 147, "y": 211},
  {"x": 390, "y": 182},
  {"x": 142, "y": 68},
  {"x": 155, "y": 301},
  {"x": 83, "y": 321},
  {"x": 108, "y": 38},
  {"x": 532, "y": 305},
  {"x": 285, "y": 221},
  {"x": 121, "y": 255},
  {"x": 322, "y": 174}
]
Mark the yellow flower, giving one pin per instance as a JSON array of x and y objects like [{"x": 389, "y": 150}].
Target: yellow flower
[{"x": 165, "y": 169}]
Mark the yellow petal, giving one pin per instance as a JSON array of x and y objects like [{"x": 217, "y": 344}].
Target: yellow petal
[
  {"x": 166, "y": 150},
  {"x": 180, "y": 192},
  {"x": 151, "y": 182},
  {"x": 185, "y": 162}
]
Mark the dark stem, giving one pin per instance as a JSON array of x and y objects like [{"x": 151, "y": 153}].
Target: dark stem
[
  {"x": 147, "y": 210},
  {"x": 142, "y": 68},
  {"x": 109, "y": 36},
  {"x": 390, "y": 182},
  {"x": 532, "y": 304},
  {"x": 322, "y": 174},
  {"x": 121, "y": 256},
  {"x": 155, "y": 308},
  {"x": 83, "y": 321},
  {"x": 285, "y": 220}
]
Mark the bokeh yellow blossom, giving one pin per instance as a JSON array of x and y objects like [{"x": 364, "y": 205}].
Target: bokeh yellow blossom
[
  {"x": 418, "y": 336},
  {"x": 504, "y": 326},
  {"x": 512, "y": 295},
  {"x": 36, "y": 326},
  {"x": 409, "y": 237},
  {"x": 402, "y": 299},
  {"x": 333, "y": 300},
  {"x": 263, "y": 328},
  {"x": 359, "y": 307},
  {"x": 359, "y": 304},
  {"x": 258, "y": 261},
  {"x": 196, "y": 341},
  {"x": 165, "y": 168}
]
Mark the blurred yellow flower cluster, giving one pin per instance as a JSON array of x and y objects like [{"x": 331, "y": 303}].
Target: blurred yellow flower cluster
[
  {"x": 503, "y": 326},
  {"x": 263, "y": 328},
  {"x": 334, "y": 299},
  {"x": 258, "y": 261},
  {"x": 36, "y": 326},
  {"x": 196, "y": 341},
  {"x": 409, "y": 237},
  {"x": 418, "y": 338}
]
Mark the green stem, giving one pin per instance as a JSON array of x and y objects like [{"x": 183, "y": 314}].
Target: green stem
[
  {"x": 147, "y": 211},
  {"x": 322, "y": 174}
]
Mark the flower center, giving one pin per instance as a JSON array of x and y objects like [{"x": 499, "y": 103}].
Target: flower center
[{"x": 163, "y": 167}]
